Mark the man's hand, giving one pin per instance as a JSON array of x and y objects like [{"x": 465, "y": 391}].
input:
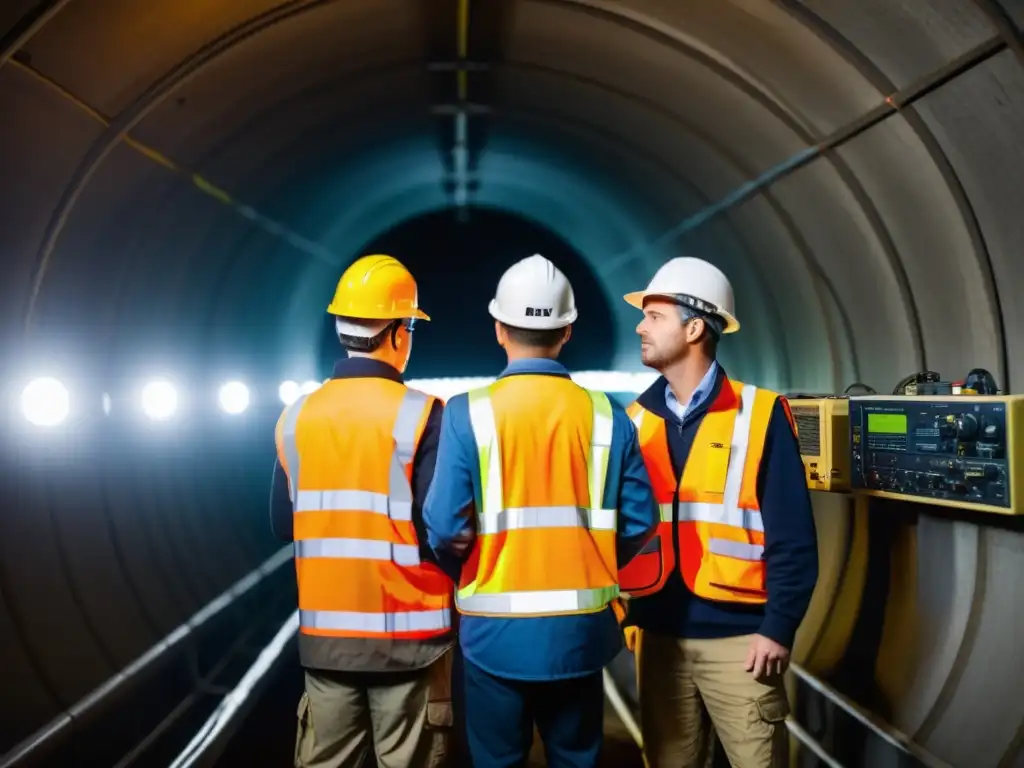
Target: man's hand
[
  {"x": 462, "y": 543},
  {"x": 766, "y": 658}
]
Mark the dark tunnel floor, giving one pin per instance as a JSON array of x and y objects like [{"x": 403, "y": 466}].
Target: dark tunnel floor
[{"x": 267, "y": 737}]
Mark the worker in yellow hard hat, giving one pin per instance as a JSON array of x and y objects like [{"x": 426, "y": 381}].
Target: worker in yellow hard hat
[{"x": 354, "y": 461}]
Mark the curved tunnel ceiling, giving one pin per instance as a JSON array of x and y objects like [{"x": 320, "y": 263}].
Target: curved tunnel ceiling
[{"x": 879, "y": 238}]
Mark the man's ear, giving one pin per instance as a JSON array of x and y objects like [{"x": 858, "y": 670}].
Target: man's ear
[{"x": 695, "y": 328}]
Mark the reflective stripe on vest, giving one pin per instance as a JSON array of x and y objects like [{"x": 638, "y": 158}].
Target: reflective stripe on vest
[
  {"x": 493, "y": 517},
  {"x": 396, "y": 505},
  {"x": 704, "y": 526}
]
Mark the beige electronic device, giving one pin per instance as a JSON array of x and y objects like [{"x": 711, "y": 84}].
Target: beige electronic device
[{"x": 823, "y": 429}]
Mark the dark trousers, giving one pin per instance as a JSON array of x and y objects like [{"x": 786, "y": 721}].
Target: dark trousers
[{"x": 500, "y": 715}]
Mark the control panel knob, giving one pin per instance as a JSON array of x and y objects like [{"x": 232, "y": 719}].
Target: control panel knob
[{"x": 966, "y": 426}]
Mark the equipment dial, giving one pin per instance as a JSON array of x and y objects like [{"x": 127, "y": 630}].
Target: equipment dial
[{"x": 966, "y": 426}]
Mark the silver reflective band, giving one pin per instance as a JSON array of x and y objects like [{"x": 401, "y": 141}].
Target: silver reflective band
[
  {"x": 740, "y": 550},
  {"x": 524, "y": 518},
  {"x": 706, "y": 512},
  {"x": 291, "y": 448},
  {"x": 358, "y": 549},
  {"x": 354, "y": 621},
  {"x": 539, "y": 602},
  {"x": 666, "y": 512},
  {"x": 353, "y": 501}
]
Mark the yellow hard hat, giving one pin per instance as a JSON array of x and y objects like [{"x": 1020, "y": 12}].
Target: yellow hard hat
[{"x": 377, "y": 287}]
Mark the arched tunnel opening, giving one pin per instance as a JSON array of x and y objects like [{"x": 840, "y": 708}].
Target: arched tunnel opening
[
  {"x": 475, "y": 246},
  {"x": 185, "y": 182}
]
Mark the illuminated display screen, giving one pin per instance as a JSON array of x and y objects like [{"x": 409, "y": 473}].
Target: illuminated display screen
[{"x": 888, "y": 423}]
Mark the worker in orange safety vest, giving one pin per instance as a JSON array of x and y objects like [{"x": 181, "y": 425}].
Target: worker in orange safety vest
[
  {"x": 541, "y": 486},
  {"x": 718, "y": 594},
  {"x": 355, "y": 459}
]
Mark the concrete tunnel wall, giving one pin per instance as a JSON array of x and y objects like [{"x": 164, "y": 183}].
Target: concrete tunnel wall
[{"x": 613, "y": 120}]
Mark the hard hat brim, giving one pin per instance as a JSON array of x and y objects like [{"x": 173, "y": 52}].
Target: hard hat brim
[
  {"x": 637, "y": 298},
  {"x": 337, "y": 311}
]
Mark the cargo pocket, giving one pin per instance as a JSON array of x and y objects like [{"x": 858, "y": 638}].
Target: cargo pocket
[
  {"x": 773, "y": 707},
  {"x": 304, "y": 735},
  {"x": 772, "y": 711},
  {"x": 439, "y": 711}
]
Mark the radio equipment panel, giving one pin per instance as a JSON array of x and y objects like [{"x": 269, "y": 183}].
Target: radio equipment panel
[
  {"x": 959, "y": 451},
  {"x": 823, "y": 429}
]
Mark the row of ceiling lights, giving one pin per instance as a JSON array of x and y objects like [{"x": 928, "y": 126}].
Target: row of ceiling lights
[{"x": 46, "y": 402}]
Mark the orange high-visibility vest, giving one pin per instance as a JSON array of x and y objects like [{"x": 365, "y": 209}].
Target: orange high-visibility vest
[
  {"x": 545, "y": 546},
  {"x": 348, "y": 449},
  {"x": 713, "y": 506}
]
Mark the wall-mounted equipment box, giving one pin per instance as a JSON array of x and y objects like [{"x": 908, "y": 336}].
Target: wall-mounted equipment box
[
  {"x": 962, "y": 451},
  {"x": 822, "y": 426}
]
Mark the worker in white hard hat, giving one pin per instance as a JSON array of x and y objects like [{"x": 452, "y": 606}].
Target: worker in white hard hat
[
  {"x": 718, "y": 594},
  {"x": 540, "y": 485}
]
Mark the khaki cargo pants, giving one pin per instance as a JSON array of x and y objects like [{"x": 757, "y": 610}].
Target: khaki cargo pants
[
  {"x": 407, "y": 722},
  {"x": 688, "y": 686}
]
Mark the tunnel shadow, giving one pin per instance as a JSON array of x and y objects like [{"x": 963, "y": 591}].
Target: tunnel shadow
[{"x": 457, "y": 265}]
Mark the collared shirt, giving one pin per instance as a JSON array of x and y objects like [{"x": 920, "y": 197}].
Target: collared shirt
[
  {"x": 538, "y": 648},
  {"x": 700, "y": 394}
]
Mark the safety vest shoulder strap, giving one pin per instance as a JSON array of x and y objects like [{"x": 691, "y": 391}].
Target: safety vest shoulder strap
[
  {"x": 406, "y": 430},
  {"x": 485, "y": 434}
]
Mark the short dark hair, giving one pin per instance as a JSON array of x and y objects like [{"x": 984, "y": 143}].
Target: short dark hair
[
  {"x": 366, "y": 343},
  {"x": 711, "y": 336},
  {"x": 538, "y": 338}
]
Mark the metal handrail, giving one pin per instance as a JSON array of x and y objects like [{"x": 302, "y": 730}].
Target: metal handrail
[
  {"x": 880, "y": 728},
  {"x": 59, "y": 725},
  {"x": 215, "y": 731},
  {"x": 884, "y": 731}
]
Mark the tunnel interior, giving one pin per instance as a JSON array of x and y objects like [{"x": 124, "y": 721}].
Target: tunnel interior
[
  {"x": 459, "y": 340},
  {"x": 185, "y": 181}
]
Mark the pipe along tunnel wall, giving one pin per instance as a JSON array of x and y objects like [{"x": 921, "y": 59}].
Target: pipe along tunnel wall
[{"x": 184, "y": 182}]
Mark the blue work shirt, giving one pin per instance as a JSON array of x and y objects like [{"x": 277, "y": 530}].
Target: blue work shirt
[
  {"x": 700, "y": 394},
  {"x": 550, "y": 647}
]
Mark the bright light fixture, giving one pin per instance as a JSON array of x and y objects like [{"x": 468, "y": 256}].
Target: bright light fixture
[
  {"x": 45, "y": 402},
  {"x": 603, "y": 381},
  {"x": 159, "y": 400},
  {"x": 234, "y": 397},
  {"x": 288, "y": 392}
]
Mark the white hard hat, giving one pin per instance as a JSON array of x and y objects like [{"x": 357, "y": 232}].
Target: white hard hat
[
  {"x": 693, "y": 283},
  {"x": 533, "y": 293}
]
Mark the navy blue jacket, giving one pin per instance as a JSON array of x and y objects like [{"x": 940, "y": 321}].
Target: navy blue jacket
[
  {"x": 791, "y": 550},
  {"x": 281, "y": 520}
]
